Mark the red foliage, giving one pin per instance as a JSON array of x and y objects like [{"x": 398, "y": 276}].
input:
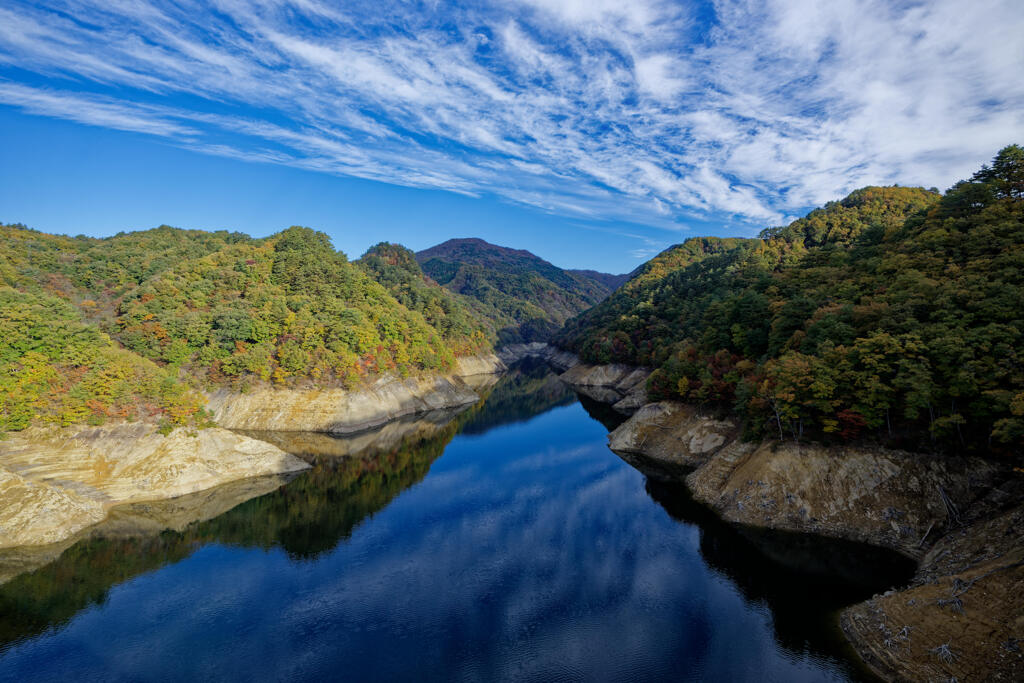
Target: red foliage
[{"x": 851, "y": 424}]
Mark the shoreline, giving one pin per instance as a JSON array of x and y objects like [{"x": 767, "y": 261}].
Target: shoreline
[
  {"x": 959, "y": 519},
  {"x": 58, "y": 482},
  {"x": 60, "y": 485},
  {"x": 344, "y": 411}
]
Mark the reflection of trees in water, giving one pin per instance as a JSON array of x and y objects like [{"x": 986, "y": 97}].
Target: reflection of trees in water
[
  {"x": 322, "y": 506},
  {"x": 803, "y": 579},
  {"x": 529, "y": 388},
  {"x": 82, "y": 576},
  {"x": 308, "y": 516},
  {"x": 351, "y": 479}
]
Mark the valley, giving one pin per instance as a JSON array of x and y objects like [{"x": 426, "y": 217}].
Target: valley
[{"x": 855, "y": 375}]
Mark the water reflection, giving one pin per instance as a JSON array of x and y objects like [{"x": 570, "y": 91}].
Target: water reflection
[
  {"x": 528, "y": 389},
  {"x": 803, "y": 579},
  {"x": 352, "y": 477},
  {"x": 527, "y": 551}
]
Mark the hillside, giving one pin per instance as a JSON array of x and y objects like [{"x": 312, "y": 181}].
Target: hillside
[
  {"x": 893, "y": 314},
  {"x": 132, "y": 326},
  {"x": 395, "y": 267},
  {"x": 57, "y": 367},
  {"x": 58, "y": 363},
  {"x": 612, "y": 282},
  {"x": 527, "y": 298}
]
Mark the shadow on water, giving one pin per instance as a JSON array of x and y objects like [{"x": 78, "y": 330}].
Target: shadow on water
[
  {"x": 351, "y": 478},
  {"x": 602, "y": 412},
  {"x": 805, "y": 580}
]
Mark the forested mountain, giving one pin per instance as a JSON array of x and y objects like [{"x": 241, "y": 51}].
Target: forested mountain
[
  {"x": 895, "y": 313},
  {"x": 57, "y": 367},
  {"x": 395, "y": 267},
  {"x": 286, "y": 307},
  {"x": 612, "y": 282},
  {"x": 58, "y": 295},
  {"x": 527, "y": 298},
  {"x": 131, "y": 326}
]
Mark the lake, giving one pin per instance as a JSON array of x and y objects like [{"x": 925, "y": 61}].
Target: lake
[{"x": 503, "y": 543}]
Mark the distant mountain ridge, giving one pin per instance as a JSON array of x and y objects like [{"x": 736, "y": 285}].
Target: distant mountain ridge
[
  {"x": 526, "y": 297},
  {"x": 613, "y": 282}
]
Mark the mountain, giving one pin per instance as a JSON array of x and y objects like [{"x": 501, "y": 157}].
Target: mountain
[
  {"x": 395, "y": 267},
  {"x": 612, "y": 282},
  {"x": 527, "y": 298},
  {"x": 894, "y": 314},
  {"x": 133, "y": 325},
  {"x": 58, "y": 360}
]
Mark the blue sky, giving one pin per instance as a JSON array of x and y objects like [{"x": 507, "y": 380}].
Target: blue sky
[{"x": 592, "y": 132}]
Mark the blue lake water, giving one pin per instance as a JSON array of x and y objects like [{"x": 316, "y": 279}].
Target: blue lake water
[{"x": 507, "y": 543}]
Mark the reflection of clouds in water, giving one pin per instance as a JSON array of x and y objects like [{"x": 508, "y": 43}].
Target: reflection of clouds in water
[
  {"x": 548, "y": 458},
  {"x": 525, "y": 563}
]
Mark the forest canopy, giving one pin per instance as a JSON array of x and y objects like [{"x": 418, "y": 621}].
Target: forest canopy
[
  {"x": 894, "y": 313},
  {"x": 135, "y": 325},
  {"x": 526, "y": 298}
]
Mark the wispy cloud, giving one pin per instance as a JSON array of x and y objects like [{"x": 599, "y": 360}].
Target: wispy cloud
[{"x": 641, "y": 111}]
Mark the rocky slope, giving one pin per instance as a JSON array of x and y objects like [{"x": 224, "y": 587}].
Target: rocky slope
[
  {"x": 893, "y": 499},
  {"x": 621, "y": 386},
  {"x": 482, "y": 364},
  {"x": 342, "y": 411},
  {"x": 316, "y": 446},
  {"x": 144, "y": 520},
  {"x": 54, "y": 483},
  {"x": 672, "y": 436},
  {"x": 962, "y": 618},
  {"x": 510, "y": 354}
]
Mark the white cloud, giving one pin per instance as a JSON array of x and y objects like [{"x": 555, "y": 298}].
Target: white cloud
[
  {"x": 660, "y": 75},
  {"x": 596, "y": 108}
]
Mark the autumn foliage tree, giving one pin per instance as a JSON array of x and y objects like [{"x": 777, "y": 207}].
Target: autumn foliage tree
[{"x": 894, "y": 313}]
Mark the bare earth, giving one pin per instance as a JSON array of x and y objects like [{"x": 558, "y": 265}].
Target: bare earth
[{"x": 56, "y": 482}]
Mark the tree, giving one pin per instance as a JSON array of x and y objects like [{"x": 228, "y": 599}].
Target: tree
[{"x": 1006, "y": 175}]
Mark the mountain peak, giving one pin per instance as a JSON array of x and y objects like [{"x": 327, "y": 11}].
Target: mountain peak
[
  {"x": 474, "y": 249},
  {"x": 529, "y": 296}
]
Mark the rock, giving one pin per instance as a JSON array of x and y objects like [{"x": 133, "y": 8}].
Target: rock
[
  {"x": 621, "y": 386},
  {"x": 144, "y": 519},
  {"x": 312, "y": 446},
  {"x": 963, "y": 615},
  {"x": 34, "y": 513},
  {"x": 337, "y": 411},
  {"x": 484, "y": 364},
  {"x": 562, "y": 360},
  {"x": 619, "y": 377},
  {"x": 672, "y": 434},
  {"x": 884, "y": 497},
  {"x": 55, "y": 482},
  {"x": 511, "y": 354},
  {"x": 634, "y": 400}
]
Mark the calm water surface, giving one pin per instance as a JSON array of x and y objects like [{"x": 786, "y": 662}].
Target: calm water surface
[{"x": 507, "y": 542}]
